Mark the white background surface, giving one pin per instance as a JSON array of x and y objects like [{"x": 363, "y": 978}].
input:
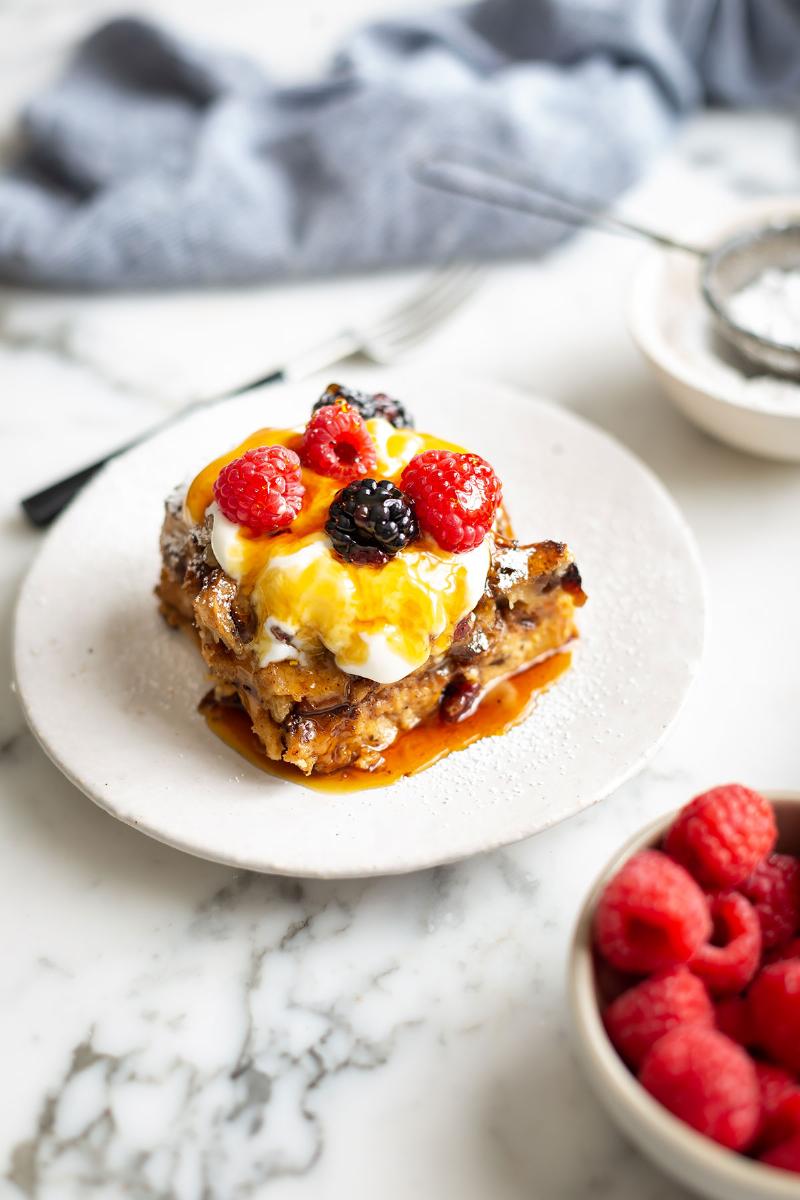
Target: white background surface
[{"x": 180, "y": 1030}]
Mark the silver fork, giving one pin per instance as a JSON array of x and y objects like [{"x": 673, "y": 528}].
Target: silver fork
[{"x": 383, "y": 341}]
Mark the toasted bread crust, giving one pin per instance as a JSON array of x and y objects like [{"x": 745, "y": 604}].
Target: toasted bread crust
[{"x": 310, "y": 713}]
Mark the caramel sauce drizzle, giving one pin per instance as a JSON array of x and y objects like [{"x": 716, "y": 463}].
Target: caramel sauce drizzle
[{"x": 507, "y": 703}]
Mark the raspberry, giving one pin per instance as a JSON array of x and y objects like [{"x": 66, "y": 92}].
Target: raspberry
[
  {"x": 790, "y": 950},
  {"x": 652, "y": 915},
  {"x": 785, "y": 1122},
  {"x": 337, "y": 443},
  {"x": 455, "y": 496},
  {"x": 775, "y": 1086},
  {"x": 370, "y": 521},
  {"x": 722, "y": 835},
  {"x": 706, "y": 1080},
  {"x": 780, "y": 1105},
  {"x": 733, "y": 1019},
  {"x": 262, "y": 490},
  {"x": 730, "y": 960},
  {"x": 774, "y": 1000},
  {"x": 774, "y": 889},
  {"x": 786, "y": 1155},
  {"x": 640, "y": 1016}
]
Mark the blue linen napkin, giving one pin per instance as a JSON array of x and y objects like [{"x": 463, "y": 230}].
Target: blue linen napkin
[{"x": 157, "y": 161}]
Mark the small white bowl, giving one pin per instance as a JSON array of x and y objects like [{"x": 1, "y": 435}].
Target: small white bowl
[
  {"x": 673, "y": 328},
  {"x": 697, "y": 1162}
]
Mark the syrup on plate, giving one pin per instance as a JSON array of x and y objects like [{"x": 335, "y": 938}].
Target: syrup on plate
[{"x": 507, "y": 703}]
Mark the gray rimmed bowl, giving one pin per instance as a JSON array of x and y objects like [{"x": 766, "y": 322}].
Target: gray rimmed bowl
[{"x": 696, "y": 1161}]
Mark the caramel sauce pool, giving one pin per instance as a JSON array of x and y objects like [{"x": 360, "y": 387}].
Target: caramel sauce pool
[{"x": 505, "y": 705}]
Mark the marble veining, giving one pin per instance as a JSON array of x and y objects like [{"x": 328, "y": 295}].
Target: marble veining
[
  {"x": 233, "y": 1110},
  {"x": 174, "y": 1029}
]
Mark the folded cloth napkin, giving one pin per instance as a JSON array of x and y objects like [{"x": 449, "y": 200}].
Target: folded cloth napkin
[{"x": 155, "y": 161}]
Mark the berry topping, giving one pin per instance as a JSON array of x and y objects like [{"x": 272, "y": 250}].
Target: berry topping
[
  {"x": 337, "y": 443},
  {"x": 728, "y": 962},
  {"x": 652, "y": 915},
  {"x": 334, "y": 393},
  {"x": 775, "y": 1012},
  {"x": 733, "y": 1019},
  {"x": 643, "y": 1014},
  {"x": 774, "y": 889},
  {"x": 722, "y": 835},
  {"x": 455, "y": 497},
  {"x": 262, "y": 490},
  {"x": 379, "y": 405},
  {"x": 369, "y": 521},
  {"x": 707, "y": 1081},
  {"x": 392, "y": 411}
]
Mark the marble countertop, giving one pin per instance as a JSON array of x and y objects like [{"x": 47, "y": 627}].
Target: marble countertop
[{"x": 172, "y": 1028}]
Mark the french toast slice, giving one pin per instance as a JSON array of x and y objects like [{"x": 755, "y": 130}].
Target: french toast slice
[{"x": 308, "y": 712}]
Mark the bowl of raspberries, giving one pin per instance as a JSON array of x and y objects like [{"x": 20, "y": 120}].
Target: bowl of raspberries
[{"x": 685, "y": 992}]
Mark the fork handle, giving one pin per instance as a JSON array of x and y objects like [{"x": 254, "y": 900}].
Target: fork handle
[{"x": 43, "y": 507}]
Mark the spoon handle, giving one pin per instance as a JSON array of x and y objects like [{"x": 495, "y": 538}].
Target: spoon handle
[{"x": 493, "y": 182}]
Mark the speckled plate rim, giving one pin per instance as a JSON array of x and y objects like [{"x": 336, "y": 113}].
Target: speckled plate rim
[
  {"x": 679, "y": 1150},
  {"x": 366, "y": 842}
]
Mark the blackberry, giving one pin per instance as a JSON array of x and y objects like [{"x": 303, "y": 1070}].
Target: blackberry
[
  {"x": 336, "y": 394},
  {"x": 392, "y": 411},
  {"x": 379, "y": 405},
  {"x": 369, "y": 521}
]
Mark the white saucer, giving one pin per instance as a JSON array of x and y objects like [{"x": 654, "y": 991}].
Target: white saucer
[{"x": 111, "y": 692}]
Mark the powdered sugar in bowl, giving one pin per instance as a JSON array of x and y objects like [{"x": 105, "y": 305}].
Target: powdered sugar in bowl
[
  {"x": 751, "y": 408},
  {"x": 752, "y": 286}
]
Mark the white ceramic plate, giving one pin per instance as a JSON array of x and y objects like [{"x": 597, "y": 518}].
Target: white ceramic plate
[{"x": 112, "y": 693}]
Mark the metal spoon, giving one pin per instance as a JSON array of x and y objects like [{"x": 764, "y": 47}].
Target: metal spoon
[{"x": 726, "y": 266}]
